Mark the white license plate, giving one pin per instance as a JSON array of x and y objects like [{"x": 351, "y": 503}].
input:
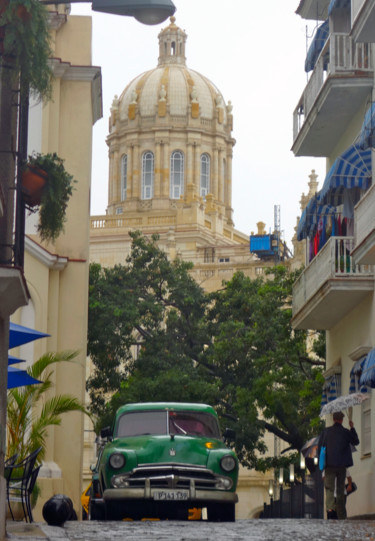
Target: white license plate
[{"x": 171, "y": 495}]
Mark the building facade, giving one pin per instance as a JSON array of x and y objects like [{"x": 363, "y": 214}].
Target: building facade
[
  {"x": 335, "y": 293},
  {"x": 57, "y": 274}
]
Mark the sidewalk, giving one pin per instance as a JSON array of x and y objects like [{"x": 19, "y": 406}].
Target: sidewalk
[{"x": 22, "y": 531}]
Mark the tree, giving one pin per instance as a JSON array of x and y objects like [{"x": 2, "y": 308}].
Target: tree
[
  {"x": 234, "y": 348},
  {"x": 30, "y": 413},
  {"x": 268, "y": 381},
  {"x": 150, "y": 309}
]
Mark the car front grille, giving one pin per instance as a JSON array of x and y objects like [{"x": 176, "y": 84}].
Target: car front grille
[{"x": 171, "y": 476}]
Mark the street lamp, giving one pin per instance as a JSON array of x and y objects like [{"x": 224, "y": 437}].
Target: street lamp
[
  {"x": 302, "y": 466},
  {"x": 145, "y": 11},
  {"x": 281, "y": 482},
  {"x": 270, "y": 493},
  {"x": 291, "y": 480}
]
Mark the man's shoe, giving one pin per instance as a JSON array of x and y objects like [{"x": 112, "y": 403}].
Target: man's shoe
[{"x": 331, "y": 514}]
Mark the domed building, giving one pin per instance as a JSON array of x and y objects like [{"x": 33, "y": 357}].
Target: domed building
[
  {"x": 170, "y": 172},
  {"x": 170, "y": 169}
]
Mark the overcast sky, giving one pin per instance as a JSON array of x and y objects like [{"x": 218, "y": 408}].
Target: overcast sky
[{"x": 254, "y": 52}]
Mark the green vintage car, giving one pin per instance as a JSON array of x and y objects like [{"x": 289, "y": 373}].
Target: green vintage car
[{"x": 164, "y": 459}]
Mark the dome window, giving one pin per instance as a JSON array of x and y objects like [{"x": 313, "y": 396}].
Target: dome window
[
  {"x": 147, "y": 175},
  {"x": 124, "y": 177},
  {"x": 205, "y": 175},
  {"x": 177, "y": 175}
]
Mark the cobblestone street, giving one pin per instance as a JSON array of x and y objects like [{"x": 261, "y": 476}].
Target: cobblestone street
[{"x": 252, "y": 530}]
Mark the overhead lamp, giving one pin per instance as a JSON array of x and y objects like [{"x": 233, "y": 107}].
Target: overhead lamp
[{"x": 145, "y": 11}]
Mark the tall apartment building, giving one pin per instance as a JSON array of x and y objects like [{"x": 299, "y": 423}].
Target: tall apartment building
[{"x": 334, "y": 119}]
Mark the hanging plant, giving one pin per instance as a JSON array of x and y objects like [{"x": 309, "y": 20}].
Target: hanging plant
[
  {"x": 55, "y": 194},
  {"x": 25, "y": 44}
]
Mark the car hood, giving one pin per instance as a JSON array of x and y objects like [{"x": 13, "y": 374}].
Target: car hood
[{"x": 163, "y": 449}]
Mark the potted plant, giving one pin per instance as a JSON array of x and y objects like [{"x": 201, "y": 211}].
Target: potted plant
[
  {"x": 54, "y": 195},
  {"x": 25, "y": 44}
]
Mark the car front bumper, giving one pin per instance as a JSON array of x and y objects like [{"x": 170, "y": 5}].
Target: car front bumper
[{"x": 148, "y": 493}]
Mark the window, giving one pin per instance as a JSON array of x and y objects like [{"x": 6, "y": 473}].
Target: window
[
  {"x": 224, "y": 259},
  {"x": 119, "y": 210},
  {"x": 366, "y": 427},
  {"x": 124, "y": 176},
  {"x": 209, "y": 255},
  {"x": 205, "y": 175},
  {"x": 147, "y": 175},
  {"x": 177, "y": 175}
]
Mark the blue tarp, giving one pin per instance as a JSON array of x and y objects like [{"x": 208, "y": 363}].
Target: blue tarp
[
  {"x": 316, "y": 46},
  {"x": 366, "y": 138},
  {"x": 353, "y": 169}
]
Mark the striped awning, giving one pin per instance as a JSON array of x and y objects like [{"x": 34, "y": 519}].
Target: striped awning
[
  {"x": 368, "y": 370},
  {"x": 316, "y": 46},
  {"x": 309, "y": 220},
  {"x": 331, "y": 389},
  {"x": 338, "y": 4},
  {"x": 355, "y": 375},
  {"x": 353, "y": 169},
  {"x": 366, "y": 138}
]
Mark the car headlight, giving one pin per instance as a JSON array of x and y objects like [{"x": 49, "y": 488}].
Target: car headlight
[
  {"x": 228, "y": 463},
  {"x": 116, "y": 461}
]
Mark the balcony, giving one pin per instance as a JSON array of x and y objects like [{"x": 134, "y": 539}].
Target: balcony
[
  {"x": 364, "y": 229},
  {"x": 338, "y": 87},
  {"x": 330, "y": 287},
  {"x": 313, "y": 9},
  {"x": 363, "y": 29}
]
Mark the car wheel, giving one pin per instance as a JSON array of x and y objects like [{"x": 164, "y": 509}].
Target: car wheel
[{"x": 221, "y": 512}]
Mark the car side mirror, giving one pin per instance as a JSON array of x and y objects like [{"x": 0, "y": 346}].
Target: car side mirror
[
  {"x": 106, "y": 433},
  {"x": 229, "y": 434}
]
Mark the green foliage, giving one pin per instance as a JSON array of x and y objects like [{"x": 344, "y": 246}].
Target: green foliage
[
  {"x": 26, "y": 45},
  {"x": 30, "y": 413},
  {"x": 56, "y": 194},
  {"x": 234, "y": 348}
]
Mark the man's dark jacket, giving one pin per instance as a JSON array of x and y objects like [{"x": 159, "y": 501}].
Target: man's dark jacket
[{"x": 337, "y": 440}]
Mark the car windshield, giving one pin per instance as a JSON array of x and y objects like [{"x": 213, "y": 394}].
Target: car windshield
[{"x": 188, "y": 423}]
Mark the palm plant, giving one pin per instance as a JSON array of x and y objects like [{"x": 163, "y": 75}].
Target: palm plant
[{"x": 27, "y": 422}]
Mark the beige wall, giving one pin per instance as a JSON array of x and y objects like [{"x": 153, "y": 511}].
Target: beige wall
[{"x": 59, "y": 283}]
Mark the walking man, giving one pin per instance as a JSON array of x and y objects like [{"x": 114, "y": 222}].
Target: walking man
[{"x": 337, "y": 441}]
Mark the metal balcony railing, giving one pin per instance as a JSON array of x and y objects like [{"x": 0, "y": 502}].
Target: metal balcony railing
[
  {"x": 333, "y": 261},
  {"x": 340, "y": 56}
]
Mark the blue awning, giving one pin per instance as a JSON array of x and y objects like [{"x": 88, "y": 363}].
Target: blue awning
[
  {"x": 368, "y": 371},
  {"x": 331, "y": 389},
  {"x": 19, "y": 335},
  {"x": 338, "y": 4},
  {"x": 316, "y": 46},
  {"x": 355, "y": 376},
  {"x": 366, "y": 138},
  {"x": 20, "y": 378},
  {"x": 353, "y": 169},
  {"x": 313, "y": 212}
]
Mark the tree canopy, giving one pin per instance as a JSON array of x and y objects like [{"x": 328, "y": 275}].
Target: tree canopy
[{"x": 155, "y": 335}]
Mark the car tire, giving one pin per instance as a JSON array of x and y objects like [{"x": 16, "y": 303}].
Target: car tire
[
  {"x": 96, "y": 512},
  {"x": 221, "y": 512}
]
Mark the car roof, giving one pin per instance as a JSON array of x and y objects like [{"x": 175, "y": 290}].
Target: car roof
[{"x": 172, "y": 406}]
